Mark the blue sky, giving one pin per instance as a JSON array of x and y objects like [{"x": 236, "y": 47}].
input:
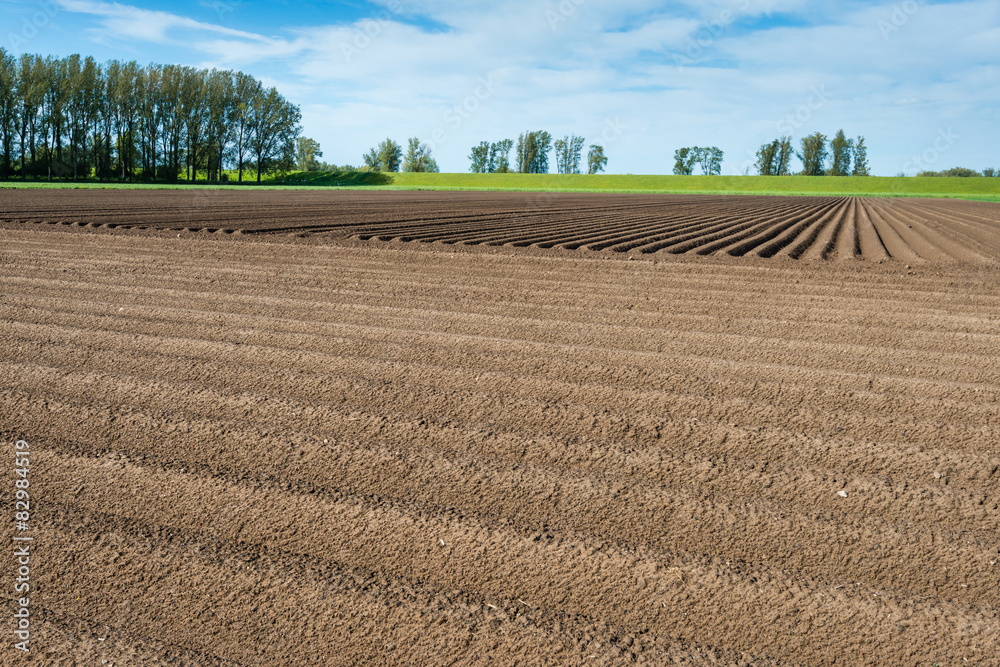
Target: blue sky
[{"x": 919, "y": 79}]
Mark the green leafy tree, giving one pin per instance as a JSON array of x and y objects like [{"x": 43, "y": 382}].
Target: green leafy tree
[
  {"x": 55, "y": 114},
  {"x": 418, "y": 157},
  {"x": 246, "y": 89},
  {"x": 813, "y": 155},
  {"x": 491, "y": 159},
  {"x": 694, "y": 158},
  {"x": 841, "y": 150},
  {"x": 543, "y": 144},
  {"x": 501, "y": 153},
  {"x": 710, "y": 160},
  {"x": 525, "y": 149},
  {"x": 784, "y": 155},
  {"x": 768, "y": 159},
  {"x": 533, "y": 152},
  {"x": 860, "y": 158},
  {"x": 990, "y": 172},
  {"x": 75, "y": 110},
  {"x": 390, "y": 154},
  {"x": 152, "y": 109},
  {"x": 561, "y": 149},
  {"x": 479, "y": 158},
  {"x": 568, "y": 152},
  {"x": 686, "y": 158},
  {"x": 306, "y": 153},
  {"x": 9, "y": 110},
  {"x": 220, "y": 118},
  {"x": 30, "y": 93},
  {"x": 387, "y": 156},
  {"x": 488, "y": 158},
  {"x": 127, "y": 99},
  {"x": 683, "y": 164},
  {"x": 173, "y": 126},
  {"x": 596, "y": 160},
  {"x": 275, "y": 126},
  {"x": 192, "y": 111}
]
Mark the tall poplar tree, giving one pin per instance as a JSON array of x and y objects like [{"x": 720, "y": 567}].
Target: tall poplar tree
[
  {"x": 9, "y": 110},
  {"x": 860, "y": 158},
  {"x": 841, "y": 150},
  {"x": 813, "y": 155}
]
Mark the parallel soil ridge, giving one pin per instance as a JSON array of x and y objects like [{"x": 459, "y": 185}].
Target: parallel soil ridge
[
  {"x": 811, "y": 228},
  {"x": 382, "y": 454}
]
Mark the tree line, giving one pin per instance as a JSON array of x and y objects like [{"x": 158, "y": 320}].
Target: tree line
[
  {"x": 72, "y": 118},
  {"x": 842, "y": 157},
  {"x": 961, "y": 172},
  {"x": 389, "y": 156},
  {"x": 532, "y": 155},
  {"x": 850, "y": 157}
]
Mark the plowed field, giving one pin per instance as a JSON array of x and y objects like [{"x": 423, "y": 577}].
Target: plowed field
[
  {"x": 796, "y": 227},
  {"x": 346, "y": 453}
]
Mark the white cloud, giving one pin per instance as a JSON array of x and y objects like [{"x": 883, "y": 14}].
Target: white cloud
[
  {"x": 143, "y": 24},
  {"x": 415, "y": 66}
]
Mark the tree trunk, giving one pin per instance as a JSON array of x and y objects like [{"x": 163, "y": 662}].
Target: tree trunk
[
  {"x": 24, "y": 151},
  {"x": 34, "y": 154},
  {"x": 59, "y": 158}
]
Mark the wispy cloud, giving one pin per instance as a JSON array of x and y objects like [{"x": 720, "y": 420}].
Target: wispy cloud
[
  {"x": 128, "y": 22},
  {"x": 408, "y": 66}
]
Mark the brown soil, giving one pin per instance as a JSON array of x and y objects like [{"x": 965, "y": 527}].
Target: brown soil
[
  {"x": 795, "y": 227},
  {"x": 329, "y": 451}
]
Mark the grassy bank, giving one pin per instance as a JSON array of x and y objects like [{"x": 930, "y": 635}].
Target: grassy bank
[
  {"x": 987, "y": 189},
  {"x": 872, "y": 186},
  {"x": 976, "y": 188}
]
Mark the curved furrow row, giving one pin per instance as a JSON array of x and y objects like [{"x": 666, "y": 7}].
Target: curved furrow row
[
  {"x": 801, "y": 235},
  {"x": 869, "y": 229},
  {"x": 824, "y": 241},
  {"x": 741, "y": 244},
  {"x": 647, "y": 244}
]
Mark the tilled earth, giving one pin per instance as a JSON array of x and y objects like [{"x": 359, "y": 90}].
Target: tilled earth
[
  {"x": 794, "y": 227},
  {"x": 267, "y": 450}
]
